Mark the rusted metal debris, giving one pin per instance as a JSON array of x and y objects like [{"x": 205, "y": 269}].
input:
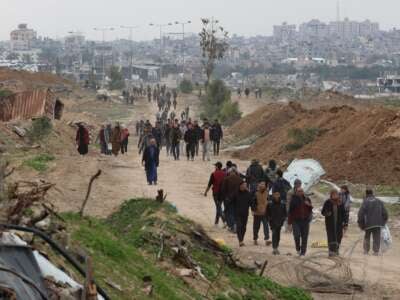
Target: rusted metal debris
[{"x": 30, "y": 104}]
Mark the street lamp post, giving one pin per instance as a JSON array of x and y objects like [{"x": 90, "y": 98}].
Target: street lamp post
[
  {"x": 103, "y": 31},
  {"x": 130, "y": 28},
  {"x": 160, "y": 26},
  {"x": 183, "y": 42}
]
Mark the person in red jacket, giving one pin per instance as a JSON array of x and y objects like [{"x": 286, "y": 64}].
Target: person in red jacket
[
  {"x": 300, "y": 216},
  {"x": 82, "y": 139},
  {"x": 215, "y": 182}
]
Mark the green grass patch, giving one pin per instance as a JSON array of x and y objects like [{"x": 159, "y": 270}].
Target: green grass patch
[
  {"x": 302, "y": 137},
  {"x": 39, "y": 162},
  {"x": 124, "y": 248}
]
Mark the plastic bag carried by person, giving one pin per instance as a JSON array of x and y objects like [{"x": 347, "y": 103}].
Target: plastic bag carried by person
[{"x": 386, "y": 239}]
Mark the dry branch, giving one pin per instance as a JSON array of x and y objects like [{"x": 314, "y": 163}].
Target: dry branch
[{"x": 93, "y": 178}]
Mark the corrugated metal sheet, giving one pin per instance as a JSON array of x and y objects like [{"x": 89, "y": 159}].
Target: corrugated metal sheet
[{"x": 26, "y": 105}]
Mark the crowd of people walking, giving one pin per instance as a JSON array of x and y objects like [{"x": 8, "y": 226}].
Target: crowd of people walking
[
  {"x": 272, "y": 201},
  {"x": 276, "y": 205}
]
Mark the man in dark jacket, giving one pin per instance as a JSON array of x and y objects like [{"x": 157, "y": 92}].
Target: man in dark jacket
[
  {"x": 335, "y": 222},
  {"x": 157, "y": 134},
  {"x": 199, "y": 136},
  {"x": 276, "y": 215},
  {"x": 241, "y": 204},
  {"x": 281, "y": 185},
  {"x": 216, "y": 179},
  {"x": 229, "y": 189},
  {"x": 254, "y": 175},
  {"x": 167, "y": 136},
  {"x": 216, "y": 136},
  {"x": 175, "y": 138},
  {"x": 190, "y": 140},
  {"x": 150, "y": 161},
  {"x": 372, "y": 216},
  {"x": 300, "y": 216}
]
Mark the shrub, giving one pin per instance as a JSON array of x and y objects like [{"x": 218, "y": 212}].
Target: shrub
[
  {"x": 5, "y": 93},
  {"x": 230, "y": 113},
  {"x": 117, "y": 80},
  {"x": 39, "y": 162},
  {"x": 186, "y": 86},
  {"x": 217, "y": 104},
  {"x": 40, "y": 128},
  {"x": 301, "y": 137}
]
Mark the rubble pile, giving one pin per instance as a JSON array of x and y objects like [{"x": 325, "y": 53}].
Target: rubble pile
[
  {"x": 25, "y": 210},
  {"x": 355, "y": 145}
]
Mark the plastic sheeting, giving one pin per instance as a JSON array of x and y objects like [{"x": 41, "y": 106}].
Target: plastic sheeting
[
  {"x": 19, "y": 272},
  {"x": 309, "y": 171},
  {"x": 45, "y": 266}
]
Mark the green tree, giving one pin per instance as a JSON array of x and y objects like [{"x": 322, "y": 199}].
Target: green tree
[
  {"x": 217, "y": 104},
  {"x": 213, "y": 43},
  {"x": 186, "y": 86},
  {"x": 117, "y": 80}
]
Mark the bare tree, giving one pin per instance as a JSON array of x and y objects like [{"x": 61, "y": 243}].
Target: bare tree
[{"x": 214, "y": 44}]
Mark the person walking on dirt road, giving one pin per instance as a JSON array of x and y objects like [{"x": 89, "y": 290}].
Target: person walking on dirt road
[
  {"x": 229, "y": 189},
  {"x": 190, "y": 140},
  {"x": 372, "y": 216},
  {"x": 259, "y": 209},
  {"x": 242, "y": 203},
  {"x": 281, "y": 185},
  {"x": 82, "y": 139},
  {"x": 116, "y": 139},
  {"x": 276, "y": 215},
  {"x": 216, "y": 136},
  {"x": 206, "y": 142},
  {"x": 297, "y": 184},
  {"x": 199, "y": 134},
  {"x": 215, "y": 182},
  {"x": 254, "y": 175},
  {"x": 335, "y": 222},
  {"x": 300, "y": 216},
  {"x": 270, "y": 171},
  {"x": 175, "y": 138},
  {"x": 124, "y": 139},
  {"x": 150, "y": 161},
  {"x": 345, "y": 199}
]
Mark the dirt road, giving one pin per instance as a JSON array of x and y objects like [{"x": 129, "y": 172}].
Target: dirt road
[{"x": 124, "y": 178}]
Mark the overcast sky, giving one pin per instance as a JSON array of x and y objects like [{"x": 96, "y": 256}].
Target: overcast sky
[{"x": 55, "y": 18}]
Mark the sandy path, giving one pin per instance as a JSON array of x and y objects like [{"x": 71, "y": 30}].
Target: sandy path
[{"x": 124, "y": 178}]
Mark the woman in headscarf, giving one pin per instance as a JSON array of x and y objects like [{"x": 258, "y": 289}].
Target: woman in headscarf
[
  {"x": 335, "y": 221},
  {"x": 116, "y": 139},
  {"x": 82, "y": 139}
]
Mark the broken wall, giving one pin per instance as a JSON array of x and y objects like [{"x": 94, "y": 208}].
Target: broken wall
[{"x": 27, "y": 105}]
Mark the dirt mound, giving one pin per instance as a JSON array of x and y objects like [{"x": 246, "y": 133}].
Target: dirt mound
[
  {"x": 358, "y": 145},
  {"x": 17, "y": 81}
]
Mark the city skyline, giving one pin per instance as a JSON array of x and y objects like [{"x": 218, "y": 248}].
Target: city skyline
[{"x": 257, "y": 19}]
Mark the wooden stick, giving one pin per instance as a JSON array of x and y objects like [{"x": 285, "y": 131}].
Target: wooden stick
[
  {"x": 51, "y": 211},
  {"x": 88, "y": 191},
  {"x": 263, "y": 268}
]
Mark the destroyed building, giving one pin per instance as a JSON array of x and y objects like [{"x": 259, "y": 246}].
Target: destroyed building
[{"x": 30, "y": 104}]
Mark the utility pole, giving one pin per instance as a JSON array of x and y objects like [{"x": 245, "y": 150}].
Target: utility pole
[
  {"x": 160, "y": 26},
  {"x": 183, "y": 42},
  {"x": 103, "y": 31},
  {"x": 130, "y": 28}
]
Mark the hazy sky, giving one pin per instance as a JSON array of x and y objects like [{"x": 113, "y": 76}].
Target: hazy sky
[{"x": 55, "y": 18}]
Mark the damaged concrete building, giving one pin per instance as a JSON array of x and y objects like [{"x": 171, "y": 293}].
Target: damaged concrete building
[{"x": 30, "y": 104}]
